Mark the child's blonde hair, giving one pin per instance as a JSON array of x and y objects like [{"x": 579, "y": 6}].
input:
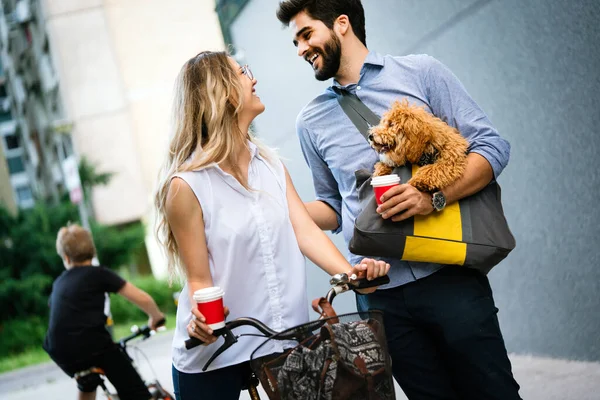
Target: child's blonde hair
[{"x": 76, "y": 243}]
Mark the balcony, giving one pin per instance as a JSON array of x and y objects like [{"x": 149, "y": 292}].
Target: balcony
[
  {"x": 5, "y": 114},
  {"x": 47, "y": 74},
  {"x": 22, "y": 12},
  {"x": 19, "y": 95},
  {"x": 3, "y": 31},
  {"x": 8, "y": 128}
]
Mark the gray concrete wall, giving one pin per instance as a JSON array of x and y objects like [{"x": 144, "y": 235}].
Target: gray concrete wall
[{"x": 534, "y": 67}]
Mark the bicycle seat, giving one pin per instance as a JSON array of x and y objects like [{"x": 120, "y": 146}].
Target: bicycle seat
[
  {"x": 89, "y": 379},
  {"x": 89, "y": 371}
]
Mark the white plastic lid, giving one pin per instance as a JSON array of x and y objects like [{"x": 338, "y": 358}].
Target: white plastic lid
[
  {"x": 208, "y": 294},
  {"x": 385, "y": 180}
]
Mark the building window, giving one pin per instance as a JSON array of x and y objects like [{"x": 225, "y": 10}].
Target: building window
[
  {"x": 5, "y": 116},
  {"x": 228, "y": 10},
  {"x": 24, "y": 194},
  {"x": 15, "y": 165},
  {"x": 12, "y": 142}
]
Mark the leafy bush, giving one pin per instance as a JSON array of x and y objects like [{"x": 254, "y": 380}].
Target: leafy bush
[
  {"x": 19, "y": 335},
  {"x": 117, "y": 246},
  {"x": 28, "y": 259},
  {"x": 24, "y": 297}
]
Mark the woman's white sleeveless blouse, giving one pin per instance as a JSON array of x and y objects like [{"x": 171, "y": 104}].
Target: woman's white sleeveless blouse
[{"x": 253, "y": 255}]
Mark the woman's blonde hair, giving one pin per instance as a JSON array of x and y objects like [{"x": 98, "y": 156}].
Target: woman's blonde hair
[{"x": 208, "y": 100}]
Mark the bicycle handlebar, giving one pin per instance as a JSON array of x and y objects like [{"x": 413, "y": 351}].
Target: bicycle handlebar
[
  {"x": 144, "y": 331},
  {"x": 366, "y": 284},
  {"x": 246, "y": 321}
]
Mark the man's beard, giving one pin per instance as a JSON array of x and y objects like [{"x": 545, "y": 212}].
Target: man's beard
[{"x": 330, "y": 58}]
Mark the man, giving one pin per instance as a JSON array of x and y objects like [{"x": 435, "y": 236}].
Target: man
[{"x": 440, "y": 321}]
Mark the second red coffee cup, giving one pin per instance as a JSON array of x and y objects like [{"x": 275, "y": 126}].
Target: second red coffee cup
[
  {"x": 210, "y": 304},
  {"x": 382, "y": 184}
]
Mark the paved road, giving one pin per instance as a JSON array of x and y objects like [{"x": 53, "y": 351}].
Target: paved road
[{"x": 540, "y": 378}]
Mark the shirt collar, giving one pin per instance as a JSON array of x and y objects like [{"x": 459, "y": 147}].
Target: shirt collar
[
  {"x": 373, "y": 58},
  {"x": 253, "y": 150}
]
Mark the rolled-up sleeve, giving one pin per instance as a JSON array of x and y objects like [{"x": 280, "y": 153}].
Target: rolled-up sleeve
[
  {"x": 326, "y": 187},
  {"x": 450, "y": 102}
]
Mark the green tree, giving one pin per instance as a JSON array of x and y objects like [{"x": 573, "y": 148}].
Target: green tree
[
  {"x": 118, "y": 246},
  {"x": 90, "y": 178},
  {"x": 29, "y": 259}
]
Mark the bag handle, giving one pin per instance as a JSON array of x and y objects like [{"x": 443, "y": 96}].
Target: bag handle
[
  {"x": 325, "y": 310},
  {"x": 361, "y": 116}
]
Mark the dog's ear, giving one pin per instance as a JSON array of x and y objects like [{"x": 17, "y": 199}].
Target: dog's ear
[
  {"x": 389, "y": 117},
  {"x": 395, "y": 115},
  {"x": 416, "y": 131}
]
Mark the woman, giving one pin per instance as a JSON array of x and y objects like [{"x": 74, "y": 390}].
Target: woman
[{"x": 230, "y": 217}]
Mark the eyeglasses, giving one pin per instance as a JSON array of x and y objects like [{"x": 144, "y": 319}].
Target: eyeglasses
[{"x": 246, "y": 71}]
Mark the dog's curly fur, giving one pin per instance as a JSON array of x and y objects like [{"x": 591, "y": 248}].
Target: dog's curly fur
[{"x": 407, "y": 132}]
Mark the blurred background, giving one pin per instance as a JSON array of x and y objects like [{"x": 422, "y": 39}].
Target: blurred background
[{"x": 85, "y": 93}]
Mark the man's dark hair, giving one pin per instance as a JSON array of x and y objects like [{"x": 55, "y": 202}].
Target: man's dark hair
[{"x": 327, "y": 12}]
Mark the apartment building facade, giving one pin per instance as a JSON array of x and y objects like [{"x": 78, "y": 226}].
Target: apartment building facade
[
  {"x": 106, "y": 70},
  {"x": 33, "y": 138}
]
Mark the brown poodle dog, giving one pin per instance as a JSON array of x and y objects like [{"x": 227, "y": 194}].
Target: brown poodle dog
[{"x": 408, "y": 133}]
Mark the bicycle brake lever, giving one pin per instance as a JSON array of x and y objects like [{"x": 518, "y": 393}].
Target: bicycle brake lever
[
  {"x": 341, "y": 279},
  {"x": 230, "y": 339}
]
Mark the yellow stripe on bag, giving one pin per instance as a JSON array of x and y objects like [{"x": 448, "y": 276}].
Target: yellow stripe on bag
[
  {"x": 445, "y": 225},
  {"x": 434, "y": 251}
]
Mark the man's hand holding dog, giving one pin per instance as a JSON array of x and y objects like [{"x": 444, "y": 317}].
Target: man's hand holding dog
[{"x": 404, "y": 201}]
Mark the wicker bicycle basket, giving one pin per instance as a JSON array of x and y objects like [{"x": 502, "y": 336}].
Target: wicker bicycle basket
[{"x": 340, "y": 358}]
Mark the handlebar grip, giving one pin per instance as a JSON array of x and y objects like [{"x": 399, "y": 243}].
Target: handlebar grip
[
  {"x": 193, "y": 342},
  {"x": 161, "y": 322},
  {"x": 365, "y": 284}
]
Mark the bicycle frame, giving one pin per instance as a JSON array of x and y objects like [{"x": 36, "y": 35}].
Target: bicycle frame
[{"x": 154, "y": 387}]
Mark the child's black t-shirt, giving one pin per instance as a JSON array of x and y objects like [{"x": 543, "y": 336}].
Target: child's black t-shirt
[{"x": 77, "y": 321}]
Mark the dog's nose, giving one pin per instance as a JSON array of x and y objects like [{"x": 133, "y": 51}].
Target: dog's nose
[{"x": 371, "y": 137}]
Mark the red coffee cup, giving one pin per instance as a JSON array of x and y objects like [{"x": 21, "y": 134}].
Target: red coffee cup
[
  {"x": 382, "y": 184},
  {"x": 210, "y": 304}
]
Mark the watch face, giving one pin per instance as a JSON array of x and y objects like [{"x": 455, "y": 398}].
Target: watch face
[{"x": 439, "y": 201}]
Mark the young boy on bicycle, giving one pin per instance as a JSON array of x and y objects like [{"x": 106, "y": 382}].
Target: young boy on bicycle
[{"x": 77, "y": 339}]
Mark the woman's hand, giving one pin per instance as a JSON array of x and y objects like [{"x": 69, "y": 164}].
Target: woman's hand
[
  {"x": 199, "y": 329},
  {"x": 370, "y": 269}
]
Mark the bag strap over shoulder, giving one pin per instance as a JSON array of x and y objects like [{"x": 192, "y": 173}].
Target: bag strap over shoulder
[{"x": 361, "y": 116}]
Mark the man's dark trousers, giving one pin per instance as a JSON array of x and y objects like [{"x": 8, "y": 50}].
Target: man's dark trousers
[{"x": 444, "y": 338}]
